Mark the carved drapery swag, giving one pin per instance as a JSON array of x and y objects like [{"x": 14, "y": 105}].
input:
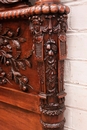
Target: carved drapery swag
[{"x": 48, "y": 24}]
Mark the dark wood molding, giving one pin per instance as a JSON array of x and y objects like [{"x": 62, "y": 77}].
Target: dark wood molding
[
  {"x": 44, "y": 26},
  {"x": 34, "y": 10}
]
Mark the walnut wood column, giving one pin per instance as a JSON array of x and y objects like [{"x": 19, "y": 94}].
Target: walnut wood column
[{"x": 49, "y": 25}]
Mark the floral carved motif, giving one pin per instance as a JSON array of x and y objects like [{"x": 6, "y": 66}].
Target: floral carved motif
[{"x": 10, "y": 40}]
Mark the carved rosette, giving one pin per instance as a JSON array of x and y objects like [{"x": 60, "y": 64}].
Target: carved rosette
[{"x": 49, "y": 36}]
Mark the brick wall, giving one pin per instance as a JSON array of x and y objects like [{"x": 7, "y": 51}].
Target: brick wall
[{"x": 76, "y": 66}]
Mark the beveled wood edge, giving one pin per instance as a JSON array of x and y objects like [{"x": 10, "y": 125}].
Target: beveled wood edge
[
  {"x": 20, "y": 99},
  {"x": 34, "y": 10}
]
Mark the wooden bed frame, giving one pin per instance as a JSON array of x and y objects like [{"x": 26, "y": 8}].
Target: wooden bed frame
[{"x": 32, "y": 54}]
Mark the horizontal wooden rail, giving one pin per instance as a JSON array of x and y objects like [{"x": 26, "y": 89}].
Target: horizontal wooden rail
[{"x": 26, "y": 101}]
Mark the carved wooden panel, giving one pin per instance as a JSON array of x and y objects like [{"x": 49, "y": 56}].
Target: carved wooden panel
[{"x": 32, "y": 53}]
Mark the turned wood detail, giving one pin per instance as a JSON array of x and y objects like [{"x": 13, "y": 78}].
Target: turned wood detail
[{"x": 34, "y": 10}]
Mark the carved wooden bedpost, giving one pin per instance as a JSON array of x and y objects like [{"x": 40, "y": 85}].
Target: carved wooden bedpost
[{"x": 49, "y": 25}]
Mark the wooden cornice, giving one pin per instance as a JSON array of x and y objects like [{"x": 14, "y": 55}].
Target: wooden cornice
[{"x": 34, "y": 10}]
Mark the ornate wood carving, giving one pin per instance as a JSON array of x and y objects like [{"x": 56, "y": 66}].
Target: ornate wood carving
[
  {"x": 49, "y": 37},
  {"x": 3, "y": 78},
  {"x": 34, "y": 10},
  {"x": 10, "y": 40},
  {"x": 53, "y": 126},
  {"x": 9, "y": 1},
  {"x": 48, "y": 24},
  {"x": 14, "y": 1}
]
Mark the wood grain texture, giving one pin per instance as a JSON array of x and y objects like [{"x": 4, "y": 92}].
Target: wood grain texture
[
  {"x": 22, "y": 100},
  {"x": 12, "y": 118}
]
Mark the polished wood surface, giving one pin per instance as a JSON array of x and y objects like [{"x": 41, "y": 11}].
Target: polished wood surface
[
  {"x": 32, "y": 53},
  {"x": 12, "y": 118}
]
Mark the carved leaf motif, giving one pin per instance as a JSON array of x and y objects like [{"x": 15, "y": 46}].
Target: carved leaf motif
[
  {"x": 15, "y": 73},
  {"x": 16, "y": 43},
  {"x": 30, "y": 86},
  {"x": 8, "y": 56},
  {"x": 3, "y": 77},
  {"x": 2, "y": 59},
  {"x": 16, "y": 79},
  {"x": 28, "y": 63},
  {"x": 21, "y": 65},
  {"x": 18, "y": 31},
  {"x": 18, "y": 54},
  {"x": 15, "y": 64}
]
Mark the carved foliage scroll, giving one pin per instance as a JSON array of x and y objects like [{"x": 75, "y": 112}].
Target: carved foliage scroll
[{"x": 11, "y": 40}]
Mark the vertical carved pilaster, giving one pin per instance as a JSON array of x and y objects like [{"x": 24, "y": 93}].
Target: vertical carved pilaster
[{"x": 49, "y": 25}]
